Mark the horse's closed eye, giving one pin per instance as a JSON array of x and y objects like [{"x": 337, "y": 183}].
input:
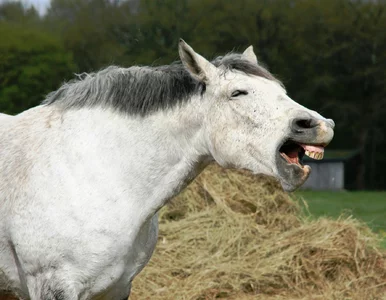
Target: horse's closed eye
[{"x": 237, "y": 93}]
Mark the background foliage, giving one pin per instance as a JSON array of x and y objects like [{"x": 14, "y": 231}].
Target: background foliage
[{"x": 330, "y": 54}]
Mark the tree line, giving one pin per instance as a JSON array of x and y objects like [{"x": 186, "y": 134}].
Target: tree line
[{"x": 330, "y": 54}]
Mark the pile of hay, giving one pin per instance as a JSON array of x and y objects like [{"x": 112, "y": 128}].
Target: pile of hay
[{"x": 231, "y": 235}]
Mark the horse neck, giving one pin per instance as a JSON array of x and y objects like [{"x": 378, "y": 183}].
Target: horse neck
[{"x": 150, "y": 159}]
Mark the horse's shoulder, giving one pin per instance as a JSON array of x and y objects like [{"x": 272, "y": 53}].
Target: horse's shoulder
[{"x": 21, "y": 137}]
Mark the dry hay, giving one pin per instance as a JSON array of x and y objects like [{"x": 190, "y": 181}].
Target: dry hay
[{"x": 234, "y": 236}]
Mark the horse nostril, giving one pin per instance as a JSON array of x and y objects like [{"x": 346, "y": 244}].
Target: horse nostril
[{"x": 301, "y": 123}]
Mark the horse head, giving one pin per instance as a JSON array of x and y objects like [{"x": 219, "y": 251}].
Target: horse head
[{"x": 251, "y": 122}]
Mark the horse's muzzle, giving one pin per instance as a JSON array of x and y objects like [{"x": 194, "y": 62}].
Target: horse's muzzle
[{"x": 312, "y": 130}]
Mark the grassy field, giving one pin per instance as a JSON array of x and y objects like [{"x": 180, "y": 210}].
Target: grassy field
[{"x": 366, "y": 206}]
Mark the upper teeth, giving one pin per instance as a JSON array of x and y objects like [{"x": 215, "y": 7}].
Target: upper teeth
[{"x": 315, "y": 155}]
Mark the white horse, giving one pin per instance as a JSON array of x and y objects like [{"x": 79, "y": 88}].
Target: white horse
[
  {"x": 84, "y": 174},
  {"x": 4, "y": 117}
]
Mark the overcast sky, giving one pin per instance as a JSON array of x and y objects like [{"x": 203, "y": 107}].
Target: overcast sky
[{"x": 40, "y": 5}]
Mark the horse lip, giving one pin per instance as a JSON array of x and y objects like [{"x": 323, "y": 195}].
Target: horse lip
[
  {"x": 291, "y": 164},
  {"x": 299, "y": 141},
  {"x": 291, "y": 175}
]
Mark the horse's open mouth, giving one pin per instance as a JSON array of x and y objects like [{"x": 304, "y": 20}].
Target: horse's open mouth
[{"x": 293, "y": 152}]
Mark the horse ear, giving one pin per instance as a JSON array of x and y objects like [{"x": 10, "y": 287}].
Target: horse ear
[
  {"x": 198, "y": 66},
  {"x": 250, "y": 55}
]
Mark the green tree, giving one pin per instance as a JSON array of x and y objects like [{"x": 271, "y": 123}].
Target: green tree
[
  {"x": 88, "y": 31},
  {"x": 32, "y": 64},
  {"x": 17, "y": 13}
]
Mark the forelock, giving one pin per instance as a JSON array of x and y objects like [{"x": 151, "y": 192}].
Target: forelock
[{"x": 236, "y": 62}]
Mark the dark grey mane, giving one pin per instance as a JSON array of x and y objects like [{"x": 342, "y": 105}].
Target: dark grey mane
[{"x": 142, "y": 90}]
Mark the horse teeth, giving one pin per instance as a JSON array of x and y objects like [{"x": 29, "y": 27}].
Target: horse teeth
[{"x": 314, "y": 155}]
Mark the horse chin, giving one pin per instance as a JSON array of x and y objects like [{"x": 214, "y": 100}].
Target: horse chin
[{"x": 291, "y": 175}]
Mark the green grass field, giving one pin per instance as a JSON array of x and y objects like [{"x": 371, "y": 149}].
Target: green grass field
[{"x": 369, "y": 207}]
